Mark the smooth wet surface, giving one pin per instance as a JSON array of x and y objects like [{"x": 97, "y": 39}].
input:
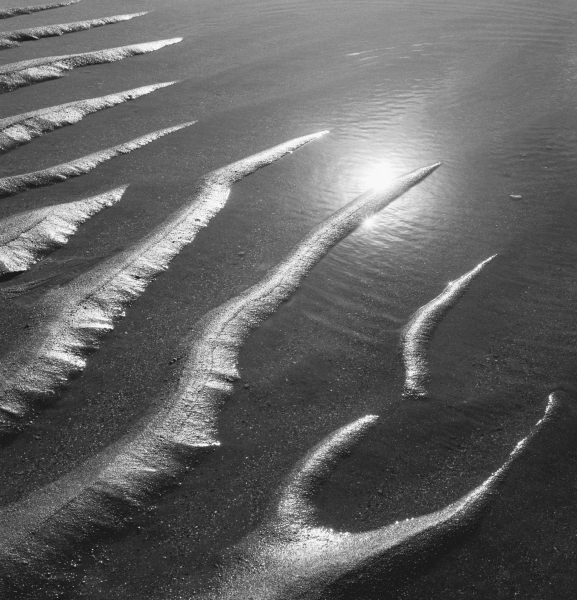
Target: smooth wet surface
[{"x": 488, "y": 88}]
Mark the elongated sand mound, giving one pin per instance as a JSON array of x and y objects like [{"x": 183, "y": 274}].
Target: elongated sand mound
[
  {"x": 124, "y": 477},
  {"x": 69, "y": 321},
  {"x": 422, "y": 324},
  {"x": 27, "y": 237},
  {"x": 21, "y": 129},
  {"x": 15, "y": 184},
  {"x": 10, "y": 39},
  {"x": 7, "y": 13},
  {"x": 28, "y": 72}
]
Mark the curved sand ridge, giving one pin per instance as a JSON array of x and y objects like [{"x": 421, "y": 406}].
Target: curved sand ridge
[
  {"x": 10, "y": 39},
  {"x": 291, "y": 556},
  {"x": 26, "y": 237},
  {"x": 28, "y": 72},
  {"x": 15, "y": 184},
  {"x": 69, "y": 321},
  {"x": 20, "y": 129},
  {"x": 124, "y": 476},
  {"x": 218, "y": 337},
  {"x": 421, "y": 326},
  {"x": 7, "y": 13}
]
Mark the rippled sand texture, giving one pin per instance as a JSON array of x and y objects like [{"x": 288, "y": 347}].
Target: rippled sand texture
[
  {"x": 292, "y": 556},
  {"x": 6, "y": 13},
  {"x": 10, "y": 39},
  {"x": 159, "y": 475},
  {"x": 26, "y": 237},
  {"x": 15, "y": 184},
  {"x": 70, "y": 320},
  {"x": 21, "y": 129},
  {"x": 28, "y": 72},
  {"x": 421, "y": 327},
  {"x": 186, "y": 423},
  {"x": 212, "y": 365}
]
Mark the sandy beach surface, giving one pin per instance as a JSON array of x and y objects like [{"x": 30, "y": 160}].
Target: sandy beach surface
[{"x": 487, "y": 88}]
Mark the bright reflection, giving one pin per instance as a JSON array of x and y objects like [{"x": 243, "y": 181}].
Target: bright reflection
[
  {"x": 370, "y": 222},
  {"x": 376, "y": 177},
  {"x": 380, "y": 176}
]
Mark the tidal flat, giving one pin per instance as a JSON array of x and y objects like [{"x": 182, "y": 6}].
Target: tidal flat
[{"x": 240, "y": 411}]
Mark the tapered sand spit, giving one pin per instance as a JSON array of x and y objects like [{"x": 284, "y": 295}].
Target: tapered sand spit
[
  {"x": 15, "y": 184},
  {"x": 28, "y": 72},
  {"x": 21, "y": 129},
  {"x": 26, "y": 237},
  {"x": 16, "y": 11},
  {"x": 10, "y": 39},
  {"x": 422, "y": 324}
]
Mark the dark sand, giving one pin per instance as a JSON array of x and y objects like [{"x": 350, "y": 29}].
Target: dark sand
[{"x": 491, "y": 93}]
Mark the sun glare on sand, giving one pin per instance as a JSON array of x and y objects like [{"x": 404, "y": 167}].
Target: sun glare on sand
[
  {"x": 375, "y": 178},
  {"x": 379, "y": 176}
]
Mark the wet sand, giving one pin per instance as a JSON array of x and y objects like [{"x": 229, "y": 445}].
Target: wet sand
[{"x": 487, "y": 90}]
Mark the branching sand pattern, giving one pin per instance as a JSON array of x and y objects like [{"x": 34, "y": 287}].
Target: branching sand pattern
[
  {"x": 7, "y": 13},
  {"x": 28, "y": 72},
  {"x": 132, "y": 470},
  {"x": 291, "y": 555},
  {"x": 10, "y": 39},
  {"x": 21, "y": 129},
  {"x": 70, "y": 320},
  {"x": 9, "y": 186},
  {"x": 26, "y": 237}
]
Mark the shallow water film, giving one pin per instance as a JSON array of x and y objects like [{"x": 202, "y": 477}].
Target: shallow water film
[{"x": 287, "y": 295}]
